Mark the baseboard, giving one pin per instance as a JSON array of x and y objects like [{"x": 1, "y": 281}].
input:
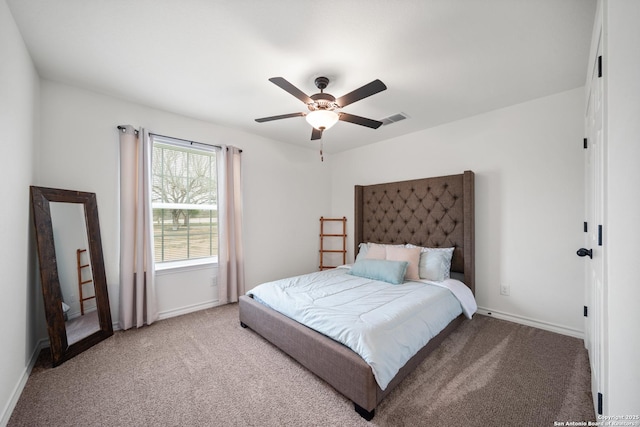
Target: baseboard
[
  {"x": 188, "y": 309},
  {"x": 178, "y": 311},
  {"x": 17, "y": 390},
  {"x": 532, "y": 322}
]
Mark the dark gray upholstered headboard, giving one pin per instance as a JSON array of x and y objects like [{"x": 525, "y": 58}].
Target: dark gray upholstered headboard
[{"x": 429, "y": 212}]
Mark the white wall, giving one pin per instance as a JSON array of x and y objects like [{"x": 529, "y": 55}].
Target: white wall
[
  {"x": 20, "y": 305},
  {"x": 528, "y": 169},
  {"x": 622, "y": 228},
  {"x": 285, "y": 187}
]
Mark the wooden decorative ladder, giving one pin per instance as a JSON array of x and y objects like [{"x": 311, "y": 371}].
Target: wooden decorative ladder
[
  {"x": 333, "y": 235},
  {"x": 82, "y": 282}
]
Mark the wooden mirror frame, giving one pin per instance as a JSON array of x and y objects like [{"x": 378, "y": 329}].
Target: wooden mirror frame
[{"x": 51, "y": 291}]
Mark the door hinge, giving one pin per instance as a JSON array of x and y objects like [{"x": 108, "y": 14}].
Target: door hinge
[
  {"x": 600, "y": 66},
  {"x": 586, "y": 228},
  {"x": 585, "y": 312},
  {"x": 599, "y": 403},
  {"x": 599, "y": 235},
  {"x": 584, "y": 144}
]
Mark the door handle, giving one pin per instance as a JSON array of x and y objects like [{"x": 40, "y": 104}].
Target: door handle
[{"x": 585, "y": 252}]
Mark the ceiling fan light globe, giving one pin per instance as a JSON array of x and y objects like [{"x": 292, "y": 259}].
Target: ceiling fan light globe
[{"x": 322, "y": 119}]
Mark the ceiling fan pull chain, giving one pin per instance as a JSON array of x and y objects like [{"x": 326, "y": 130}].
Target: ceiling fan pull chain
[{"x": 321, "y": 155}]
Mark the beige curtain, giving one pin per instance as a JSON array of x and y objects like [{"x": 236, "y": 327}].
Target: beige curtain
[
  {"x": 230, "y": 250},
  {"x": 137, "y": 271}
]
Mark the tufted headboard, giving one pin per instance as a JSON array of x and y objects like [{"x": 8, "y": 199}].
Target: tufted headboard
[{"x": 429, "y": 212}]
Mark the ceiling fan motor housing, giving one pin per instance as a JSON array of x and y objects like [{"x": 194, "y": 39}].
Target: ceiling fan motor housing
[{"x": 322, "y": 101}]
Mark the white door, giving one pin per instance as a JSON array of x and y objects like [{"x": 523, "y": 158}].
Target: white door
[{"x": 594, "y": 236}]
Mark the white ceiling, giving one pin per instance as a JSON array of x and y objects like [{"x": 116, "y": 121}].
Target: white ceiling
[{"x": 442, "y": 60}]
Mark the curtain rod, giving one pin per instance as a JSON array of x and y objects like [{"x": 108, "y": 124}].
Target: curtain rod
[
  {"x": 184, "y": 140},
  {"x": 123, "y": 128}
]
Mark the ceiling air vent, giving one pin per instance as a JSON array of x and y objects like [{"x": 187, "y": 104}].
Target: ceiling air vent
[{"x": 392, "y": 119}]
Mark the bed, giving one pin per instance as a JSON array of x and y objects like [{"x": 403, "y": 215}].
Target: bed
[{"x": 430, "y": 212}]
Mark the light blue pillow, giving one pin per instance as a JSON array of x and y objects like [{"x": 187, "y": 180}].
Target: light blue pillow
[
  {"x": 435, "y": 263},
  {"x": 380, "y": 269}
]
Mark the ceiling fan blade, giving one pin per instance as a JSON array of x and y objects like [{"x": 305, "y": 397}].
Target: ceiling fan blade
[
  {"x": 284, "y": 84},
  {"x": 316, "y": 134},
  {"x": 282, "y": 116},
  {"x": 362, "y": 121},
  {"x": 361, "y": 93}
]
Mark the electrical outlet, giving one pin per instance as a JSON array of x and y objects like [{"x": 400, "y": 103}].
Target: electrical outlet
[{"x": 504, "y": 290}]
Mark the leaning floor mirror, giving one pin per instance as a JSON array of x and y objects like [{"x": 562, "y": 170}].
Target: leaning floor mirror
[{"x": 74, "y": 283}]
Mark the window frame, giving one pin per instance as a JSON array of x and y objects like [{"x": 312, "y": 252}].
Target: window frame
[{"x": 195, "y": 263}]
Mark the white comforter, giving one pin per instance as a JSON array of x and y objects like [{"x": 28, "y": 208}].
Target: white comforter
[{"x": 385, "y": 324}]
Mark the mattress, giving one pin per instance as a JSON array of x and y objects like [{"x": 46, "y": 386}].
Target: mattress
[{"x": 384, "y": 324}]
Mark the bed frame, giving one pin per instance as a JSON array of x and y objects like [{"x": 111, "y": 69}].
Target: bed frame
[{"x": 430, "y": 212}]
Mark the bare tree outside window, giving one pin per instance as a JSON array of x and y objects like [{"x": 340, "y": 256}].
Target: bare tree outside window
[{"x": 184, "y": 201}]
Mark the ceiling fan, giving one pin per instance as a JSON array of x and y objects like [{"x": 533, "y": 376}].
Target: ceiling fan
[{"x": 323, "y": 107}]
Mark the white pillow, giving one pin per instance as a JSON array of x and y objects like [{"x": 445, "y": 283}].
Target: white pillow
[
  {"x": 435, "y": 263},
  {"x": 363, "y": 248}
]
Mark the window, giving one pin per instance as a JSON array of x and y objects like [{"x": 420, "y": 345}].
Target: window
[{"x": 184, "y": 202}]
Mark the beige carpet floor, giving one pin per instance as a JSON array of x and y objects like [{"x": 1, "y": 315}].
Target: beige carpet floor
[{"x": 203, "y": 369}]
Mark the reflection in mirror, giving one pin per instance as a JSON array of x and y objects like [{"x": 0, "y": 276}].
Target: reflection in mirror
[
  {"x": 74, "y": 284},
  {"x": 74, "y": 270}
]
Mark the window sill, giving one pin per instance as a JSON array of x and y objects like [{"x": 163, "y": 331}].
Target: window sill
[{"x": 187, "y": 265}]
